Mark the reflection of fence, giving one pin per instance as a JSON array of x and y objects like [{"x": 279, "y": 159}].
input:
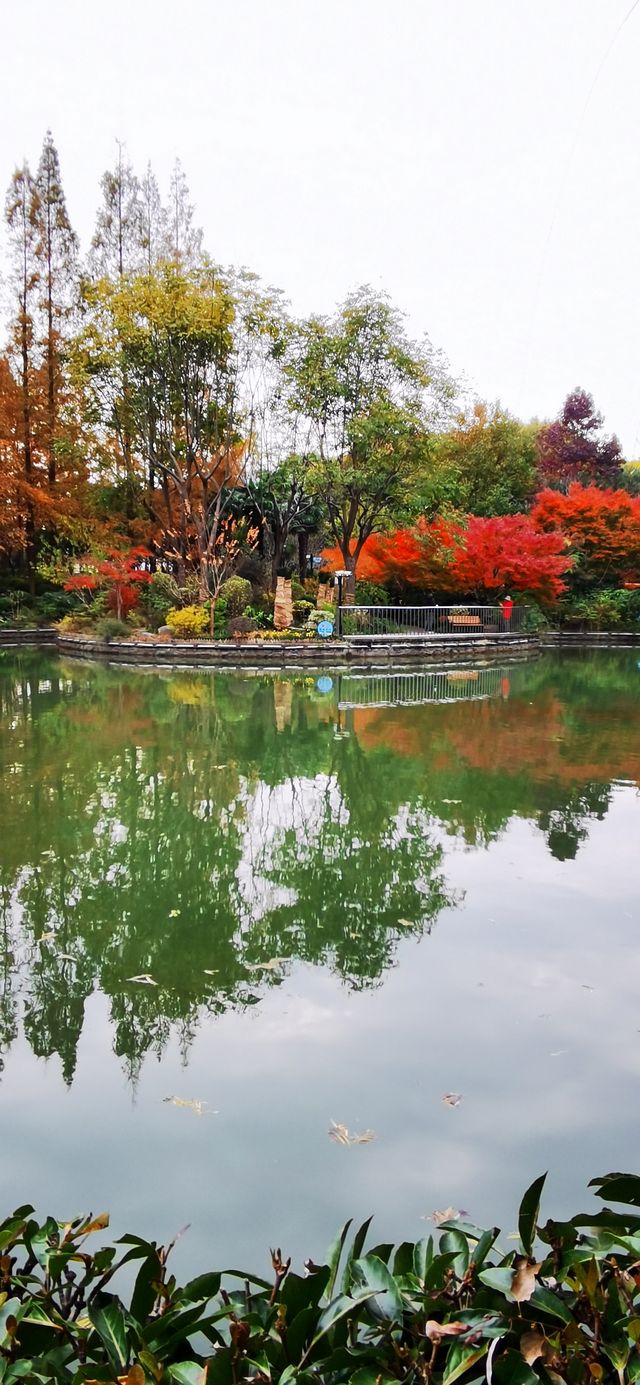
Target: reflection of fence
[
  {"x": 414, "y": 622},
  {"x": 413, "y": 689}
]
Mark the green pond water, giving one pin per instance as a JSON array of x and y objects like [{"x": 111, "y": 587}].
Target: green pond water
[{"x": 342, "y": 898}]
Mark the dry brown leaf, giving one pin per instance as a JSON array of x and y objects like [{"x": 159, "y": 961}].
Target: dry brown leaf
[
  {"x": 343, "y": 1136},
  {"x": 99, "y": 1223},
  {"x": 435, "y": 1330},
  {"x": 452, "y": 1098},
  {"x": 532, "y": 1345},
  {"x": 136, "y": 1376},
  {"x": 523, "y": 1282}
]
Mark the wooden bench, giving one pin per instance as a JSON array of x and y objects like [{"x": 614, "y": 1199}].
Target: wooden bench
[{"x": 465, "y": 622}]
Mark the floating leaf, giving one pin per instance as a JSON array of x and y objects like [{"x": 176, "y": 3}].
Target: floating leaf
[
  {"x": 343, "y": 1136},
  {"x": 199, "y": 1108},
  {"x": 523, "y": 1281},
  {"x": 449, "y": 1214},
  {"x": 173, "y": 913},
  {"x": 144, "y": 980},
  {"x": 46, "y": 937},
  {"x": 273, "y": 964},
  {"x": 452, "y": 1098},
  {"x": 405, "y": 923}
]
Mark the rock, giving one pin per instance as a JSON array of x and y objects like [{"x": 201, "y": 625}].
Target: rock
[
  {"x": 283, "y": 606},
  {"x": 166, "y": 632}
]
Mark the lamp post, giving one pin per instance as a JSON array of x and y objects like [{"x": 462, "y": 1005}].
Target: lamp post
[{"x": 340, "y": 576}]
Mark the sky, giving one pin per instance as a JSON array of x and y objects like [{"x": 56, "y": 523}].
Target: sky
[{"x": 477, "y": 159}]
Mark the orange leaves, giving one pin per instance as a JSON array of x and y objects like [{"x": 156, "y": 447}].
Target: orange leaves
[
  {"x": 602, "y": 527},
  {"x": 476, "y": 558}
]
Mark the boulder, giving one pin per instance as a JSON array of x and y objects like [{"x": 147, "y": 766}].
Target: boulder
[
  {"x": 166, "y": 632},
  {"x": 283, "y": 606}
]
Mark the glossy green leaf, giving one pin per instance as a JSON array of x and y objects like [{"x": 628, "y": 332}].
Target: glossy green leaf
[
  {"x": 187, "y": 1373},
  {"x": 511, "y": 1369},
  {"x": 371, "y": 1273},
  {"x": 529, "y": 1214},
  {"x": 620, "y": 1187},
  {"x": 461, "y": 1359},
  {"x": 108, "y": 1319},
  {"x": 334, "y": 1256}
]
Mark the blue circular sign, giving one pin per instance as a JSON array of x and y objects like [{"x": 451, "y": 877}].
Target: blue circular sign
[
  {"x": 325, "y": 627},
  {"x": 324, "y": 684}
]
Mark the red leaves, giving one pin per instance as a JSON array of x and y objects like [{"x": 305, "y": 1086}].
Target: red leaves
[
  {"x": 118, "y": 572},
  {"x": 601, "y": 527},
  {"x": 477, "y": 557}
]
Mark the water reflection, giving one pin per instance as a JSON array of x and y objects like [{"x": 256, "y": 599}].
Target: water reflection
[{"x": 189, "y": 828}]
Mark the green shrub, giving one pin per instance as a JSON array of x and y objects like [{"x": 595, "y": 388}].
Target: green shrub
[
  {"x": 189, "y": 622},
  {"x": 601, "y": 610},
  {"x": 236, "y": 591},
  {"x": 109, "y": 628},
  {"x": 76, "y": 623},
  {"x": 559, "y": 1307},
  {"x": 371, "y": 594},
  {"x": 302, "y": 611},
  {"x": 298, "y": 592},
  {"x": 263, "y": 619},
  {"x": 52, "y": 606},
  {"x": 534, "y": 620}
]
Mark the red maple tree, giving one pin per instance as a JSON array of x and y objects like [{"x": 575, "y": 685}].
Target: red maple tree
[
  {"x": 476, "y": 557},
  {"x": 600, "y": 527},
  {"x": 119, "y": 572}
]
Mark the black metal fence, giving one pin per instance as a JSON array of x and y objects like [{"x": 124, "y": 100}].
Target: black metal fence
[{"x": 416, "y": 622}]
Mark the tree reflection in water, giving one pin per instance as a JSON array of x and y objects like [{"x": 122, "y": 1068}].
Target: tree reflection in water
[{"x": 191, "y": 826}]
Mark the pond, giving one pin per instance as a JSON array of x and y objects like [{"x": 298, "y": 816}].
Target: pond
[{"x": 237, "y": 908}]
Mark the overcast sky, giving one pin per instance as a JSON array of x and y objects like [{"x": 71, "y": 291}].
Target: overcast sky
[{"x": 479, "y": 159}]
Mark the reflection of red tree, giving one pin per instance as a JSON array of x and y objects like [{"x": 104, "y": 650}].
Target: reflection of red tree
[{"x": 508, "y": 737}]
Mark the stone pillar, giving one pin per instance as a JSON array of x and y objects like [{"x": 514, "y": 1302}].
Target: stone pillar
[{"x": 283, "y": 605}]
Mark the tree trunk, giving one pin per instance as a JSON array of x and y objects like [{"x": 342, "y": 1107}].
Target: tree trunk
[{"x": 303, "y": 553}]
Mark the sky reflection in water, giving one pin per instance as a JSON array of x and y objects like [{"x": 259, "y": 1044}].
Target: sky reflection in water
[{"x": 452, "y": 889}]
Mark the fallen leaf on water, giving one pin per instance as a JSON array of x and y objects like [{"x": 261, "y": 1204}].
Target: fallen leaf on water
[
  {"x": 405, "y": 923},
  {"x": 198, "y": 1107},
  {"x": 452, "y": 1098},
  {"x": 273, "y": 964},
  {"x": 451, "y": 800},
  {"x": 584, "y": 987},
  {"x": 212, "y": 971},
  {"x": 144, "y": 980},
  {"x": 173, "y": 913},
  {"x": 532, "y": 1345},
  {"x": 46, "y": 937},
  {"x": 523, "y": 1282},
  {"x": 449, "y": 1214},
  {"x": 435, "y": 1330},
  {"x": 343, "y": 1136},
  {"x": 65, "y": 957}
]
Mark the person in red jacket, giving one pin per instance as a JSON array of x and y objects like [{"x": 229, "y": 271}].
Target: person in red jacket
[{"x": 506, "y": 607}]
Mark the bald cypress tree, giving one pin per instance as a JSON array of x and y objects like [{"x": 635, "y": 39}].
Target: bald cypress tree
[{"x": 57, "y": 253}]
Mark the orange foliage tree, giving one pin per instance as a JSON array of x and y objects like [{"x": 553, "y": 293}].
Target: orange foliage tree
[
  {"x": 601, "y": 527},
  {"x": 476, "y": 557}
]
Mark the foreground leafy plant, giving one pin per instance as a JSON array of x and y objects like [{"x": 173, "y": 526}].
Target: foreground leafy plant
[{"x": 460, "y": 1309}]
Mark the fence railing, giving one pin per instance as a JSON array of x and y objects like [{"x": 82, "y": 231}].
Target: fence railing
[
  {"x": 416, "y": 622},
  {"x": 419, "y": 686}
]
